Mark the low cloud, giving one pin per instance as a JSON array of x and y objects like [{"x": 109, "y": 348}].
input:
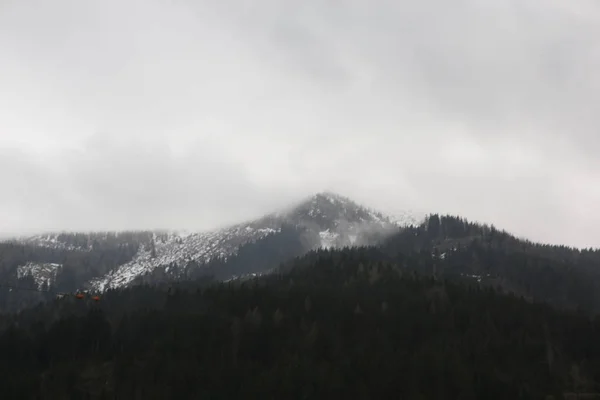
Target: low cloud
[{"x": 198, "y": 114}]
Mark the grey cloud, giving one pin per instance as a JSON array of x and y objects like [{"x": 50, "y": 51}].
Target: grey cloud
[
  {"x": 112, "y": 185},
  {"x": 493, "y": 66},
  {"x": 218, "y": 111}
]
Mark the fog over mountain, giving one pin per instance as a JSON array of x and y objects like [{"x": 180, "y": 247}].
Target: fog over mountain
[{"x": 195, "y": 114}]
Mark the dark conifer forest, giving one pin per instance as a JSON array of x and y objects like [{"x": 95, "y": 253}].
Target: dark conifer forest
[{"x": 445, "y": 310}]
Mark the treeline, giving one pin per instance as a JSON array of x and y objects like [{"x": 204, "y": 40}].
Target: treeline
[
  {"x": 333, "y": 324},
  {"x": 446, "y": 245}
]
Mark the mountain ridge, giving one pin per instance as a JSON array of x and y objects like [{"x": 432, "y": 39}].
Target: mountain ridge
[
  {"x": 442, "y": 246},
  {"x": 48, "y": 238},
  {"x": 331, "y": 219},
  {"x": 328, "y": 219}
]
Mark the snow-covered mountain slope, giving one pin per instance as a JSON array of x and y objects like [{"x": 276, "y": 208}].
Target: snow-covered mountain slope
[
  {"x": 42, "y": 273},
  {"x": 338, "y": 220},
  {"x": 408, "y": 217},
  {"x": 82, "y": 242},
  {"x": 335, "y": 220},
  {"x": 328, "y": 219},
  {"x": 52, "y": 241},
  {"x": 176, "y": 250}
]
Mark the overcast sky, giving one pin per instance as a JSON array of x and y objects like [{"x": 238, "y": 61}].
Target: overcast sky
[{"x": 120, "y": 114}]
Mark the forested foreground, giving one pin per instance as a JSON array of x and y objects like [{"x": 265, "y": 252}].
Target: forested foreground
[{"x": 339, "y": 324}]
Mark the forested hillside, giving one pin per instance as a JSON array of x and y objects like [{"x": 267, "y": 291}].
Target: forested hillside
[
  {"x": 448, "y": 309},
  {"x": 446, "y": 245},
  {"x": 72, "y": 259},
  {"x": 332, "y": 324},
  {"x": 101, "y": 261}
]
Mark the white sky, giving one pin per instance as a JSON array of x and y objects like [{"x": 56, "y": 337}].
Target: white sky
[{"x": 122, "y": 114}]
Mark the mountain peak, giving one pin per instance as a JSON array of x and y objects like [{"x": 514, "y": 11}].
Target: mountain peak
[
  {"x": 325, "y": 219},
  {"x": 328, "y": 210},
  {"x": 331, "y": 196}
]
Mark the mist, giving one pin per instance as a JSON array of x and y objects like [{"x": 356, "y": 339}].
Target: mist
[{"x": 127, "y": 115}]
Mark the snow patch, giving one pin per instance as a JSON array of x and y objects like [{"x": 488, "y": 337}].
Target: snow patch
[
  {"x": 42, "y": 273},
  {"x": 328, "y": 239}
]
